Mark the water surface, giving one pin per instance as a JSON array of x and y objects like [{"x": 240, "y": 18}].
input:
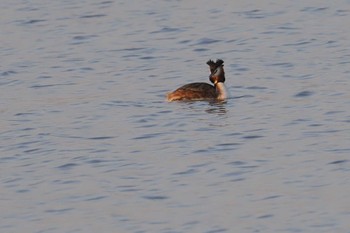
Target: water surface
[{"x": 89, "y": 144}]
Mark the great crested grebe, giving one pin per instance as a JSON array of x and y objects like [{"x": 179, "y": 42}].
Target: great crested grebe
[{"x": 204, "y": 91}]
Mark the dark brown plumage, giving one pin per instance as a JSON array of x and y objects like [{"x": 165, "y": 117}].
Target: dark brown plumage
[{"x": 193, "y": 91}]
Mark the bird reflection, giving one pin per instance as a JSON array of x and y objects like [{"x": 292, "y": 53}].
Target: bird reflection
[{"x": 217, "y": 107}]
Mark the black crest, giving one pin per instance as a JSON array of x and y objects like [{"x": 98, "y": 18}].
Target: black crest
[{"x": 214, "y": 65}]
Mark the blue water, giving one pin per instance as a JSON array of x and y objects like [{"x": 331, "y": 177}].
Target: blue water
[{"x": 89, "y": 144}]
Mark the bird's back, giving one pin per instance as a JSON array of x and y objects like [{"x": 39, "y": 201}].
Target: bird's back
[{"x": 193, "y": 91}]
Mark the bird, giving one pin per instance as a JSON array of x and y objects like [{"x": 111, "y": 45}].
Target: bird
[{"x": 202, "y": 90}]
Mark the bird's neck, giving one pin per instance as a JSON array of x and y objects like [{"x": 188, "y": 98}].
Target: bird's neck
[{"x": 221, "y": 90}]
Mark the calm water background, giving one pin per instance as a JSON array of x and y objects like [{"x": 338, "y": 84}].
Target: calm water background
[{"x": 89, "y": 144}]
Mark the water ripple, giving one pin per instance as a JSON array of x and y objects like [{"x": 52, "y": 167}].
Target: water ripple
[
  {"x": 101, "y": 138},
  {"x": 168, "y": 29},
  {"x": 339, "y": 161},
  {"x": 59, "y": 211},
  {"x": 148, "y": 136},
  {"x": 32, "y": 21},
  {"x": 314, "y": 9},
  {"x": 92, "y": 16},
  {"x": 67, "y": 166},
  {"x": 252, "y": 136},
  {"x": 206, "y": 41},
  {"x": 304, "y": 94},
  {"x": 155, "y": 197},
  {"x": 187, "y": 172}
]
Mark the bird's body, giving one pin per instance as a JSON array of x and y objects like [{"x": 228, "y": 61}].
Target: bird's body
[{"x": 201, "y": 90}]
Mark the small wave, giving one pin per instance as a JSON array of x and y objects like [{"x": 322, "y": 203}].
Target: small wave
[
  {"x": 303, "y": 94},
  {"x": 167, "y": 29},
  {"x": 155, "y": 198},
  {"x": 32, "y": 21},
  {"x": 92, "y": 16},
  {"x": 339, "y": 161},
  {"x": 67, "y": 166},
  {"x": 206, "y": 41}
]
